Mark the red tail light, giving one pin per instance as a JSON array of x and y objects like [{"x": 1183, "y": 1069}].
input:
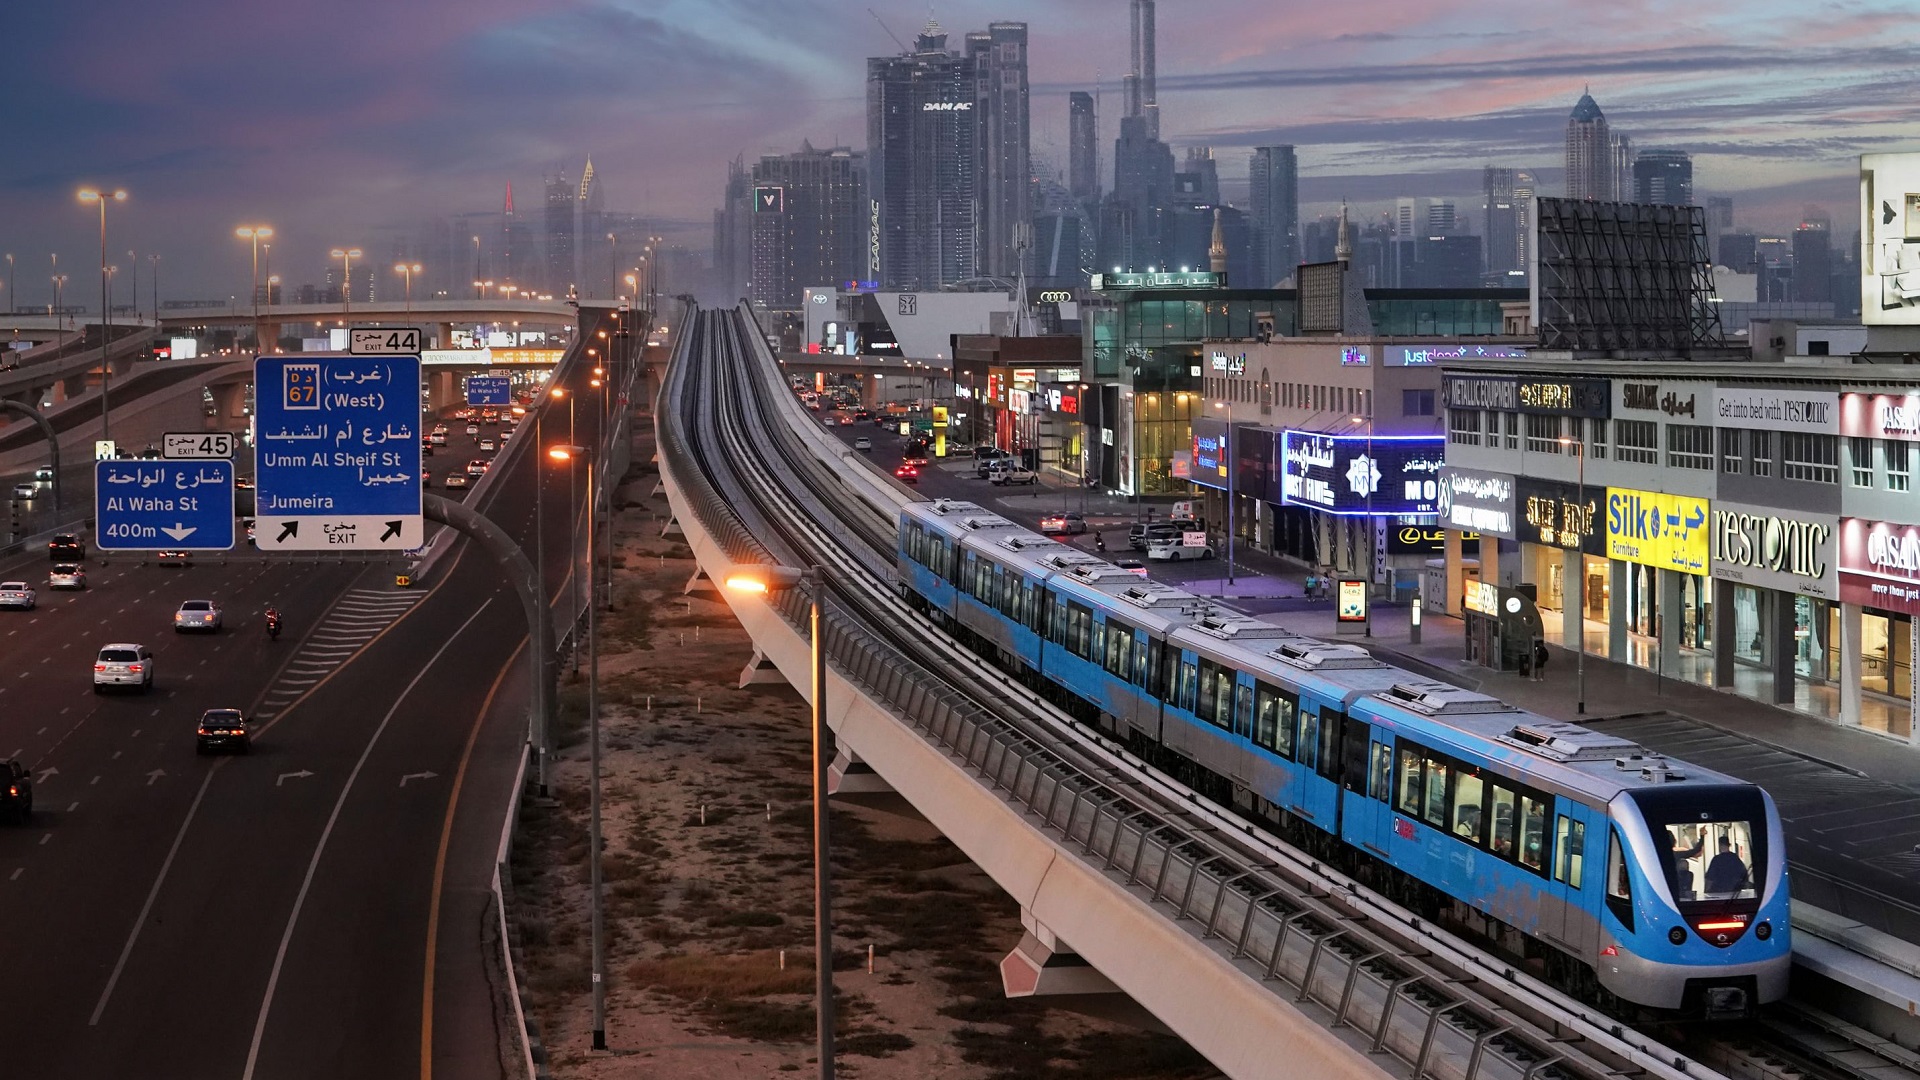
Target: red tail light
[
  {"x": 99, "y": 667},
  {"x": 13, "y": 791},
  {"x": 1738, "y": 922}
]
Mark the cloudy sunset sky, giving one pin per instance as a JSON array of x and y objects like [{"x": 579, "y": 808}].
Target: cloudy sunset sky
[{"x": 330, "y": 121}]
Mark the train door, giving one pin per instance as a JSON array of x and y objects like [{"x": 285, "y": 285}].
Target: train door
[
  {"x": 1319, "y": 756},
  {"x": 1355, "y": 778},
  {"x": 1574, "y": 927}
]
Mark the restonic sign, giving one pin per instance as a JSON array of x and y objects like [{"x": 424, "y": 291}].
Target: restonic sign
[{"x": 1760, "y": 546}]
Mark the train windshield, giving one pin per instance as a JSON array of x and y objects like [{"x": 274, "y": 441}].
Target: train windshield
[{"x": 1712, "y": 840}]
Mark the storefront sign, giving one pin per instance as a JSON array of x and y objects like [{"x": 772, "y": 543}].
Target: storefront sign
[
  {"x": 1199, "y": 279},
  {"x": 1229, "y": 363},
  {"x": 1209, "y": 453},
  {"x": 1670, "y": 398},
  {"x": 1422, "y": 539},
  {"x": 1555, "y": 514},
  {"x": 1816, "y": 412},
  {"x": 1350, "y": 474},
  {"x": 1422, "y": 355},
  {"x": 1881, "y": 416},
  {"x": 1653, "y": 528},
  {"x": 1482, "y": 502},
  {"x": 1064, "y": 402},
  {"x": 1352, "y": 601},
  {"x": 1760, "y": 546},
  {"x": 1880, "y": 564},
  {"x": 1483, "y": 393},
  {"x": 1566, "y": 397},
  {"x": 1354, "y": 356}
]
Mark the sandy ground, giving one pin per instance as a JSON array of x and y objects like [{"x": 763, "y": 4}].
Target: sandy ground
[{"x": 707, "y": 861}]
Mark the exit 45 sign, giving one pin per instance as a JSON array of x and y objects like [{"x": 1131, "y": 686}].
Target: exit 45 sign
[{"x": 383, "y": 341}]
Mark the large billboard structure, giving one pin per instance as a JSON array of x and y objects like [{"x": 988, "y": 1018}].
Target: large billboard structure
[
  {"x": 1622, "y": 276},
  {"x": 1890, "y": 239}
]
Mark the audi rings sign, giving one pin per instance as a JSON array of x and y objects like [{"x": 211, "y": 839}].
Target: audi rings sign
[{"x": 1056, "y": 296}]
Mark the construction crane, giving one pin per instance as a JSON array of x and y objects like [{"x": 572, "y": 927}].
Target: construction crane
[{"x": 890, "y": 33}]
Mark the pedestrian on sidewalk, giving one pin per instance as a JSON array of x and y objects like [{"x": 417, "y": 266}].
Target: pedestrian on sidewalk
[
  {"x": 1539, "y": 659},
  {"x": 1310, "y": 584}
]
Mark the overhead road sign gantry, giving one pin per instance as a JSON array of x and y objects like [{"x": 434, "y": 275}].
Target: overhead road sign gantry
[
  {"x": 337, "y": 453},
  {"x": 163, "y": 505},
  {"x": 489, "y": 390}
]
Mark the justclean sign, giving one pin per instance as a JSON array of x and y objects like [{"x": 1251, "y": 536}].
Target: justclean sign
[
  {"x": 1761, "y": 546},
  {"x": 1653, "y": 528}
]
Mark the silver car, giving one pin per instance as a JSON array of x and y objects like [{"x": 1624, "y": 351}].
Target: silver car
[
  {"x": 67, "y": 576},
  {"x": 16, "y": 594},
  {"x": 123, "y": 665},
  {"x": 197, "y": 615}
]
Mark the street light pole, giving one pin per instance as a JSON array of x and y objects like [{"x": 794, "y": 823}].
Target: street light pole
[
  {"x": 12, "y": 304},
  {"x": 407, "y": 270},
  {"x": 568, "y": 453},
  {"x": 153, "y": 264},
  {"x": 255, "y": 234},
  {"x": 765, "y": 580},
  {"x": 1227, "y": 448},
  {"x": 106, "y": 311},
  {"x": 133, "y": 282},
  {"x": 1580, "y": 584},
  {"x": 346, "y": 257}
]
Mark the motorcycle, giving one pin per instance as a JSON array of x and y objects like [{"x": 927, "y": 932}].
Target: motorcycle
[{"x": 273, "y": 628}]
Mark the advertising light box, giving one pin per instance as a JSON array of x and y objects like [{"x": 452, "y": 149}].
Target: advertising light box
[
  {"x": 1652, "y": 528},
  {"x": 1343, "y": 474}
]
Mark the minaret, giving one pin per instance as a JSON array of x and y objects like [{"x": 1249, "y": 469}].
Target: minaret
[
  {"x": 1217, "y": 251},
  {"x": 1343, "y": 244}
]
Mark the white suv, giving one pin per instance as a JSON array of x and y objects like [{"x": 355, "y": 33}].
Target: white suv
[{"x": 123, "y": 664}]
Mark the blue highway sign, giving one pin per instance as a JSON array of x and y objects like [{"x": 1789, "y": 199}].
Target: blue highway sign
[
  {"x": 337, "y": 453},
  {"x": 163, "y": 505},
  {"x": 489, "y": 390}
]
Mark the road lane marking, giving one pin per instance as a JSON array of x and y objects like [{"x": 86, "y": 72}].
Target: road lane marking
[
  {"x": 73, "y": 807},
  {"x": 16, "y": 873},
  {"x": 93, "y": 781},
  {"x": 153, "y": 893},
  {"x": 44, "y": 837},
  {"x": 440, "y": 865},
  {"x": 319, "y": 849}
]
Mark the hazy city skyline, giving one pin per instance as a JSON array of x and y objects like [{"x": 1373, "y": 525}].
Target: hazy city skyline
[{"x": 334, "y": 124}]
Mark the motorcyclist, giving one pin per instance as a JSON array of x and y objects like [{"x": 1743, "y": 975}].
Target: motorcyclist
[{"x": 273, "y": 622}]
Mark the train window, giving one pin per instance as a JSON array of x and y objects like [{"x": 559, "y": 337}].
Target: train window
[
  {"x": 1119, "y": 652},
  {"x": 1165, "y": 659},
  {"x": 1353, "y": 754},
  {"x": 1189, "y": 684},
  {"x": 1221, "y": 714},
  {"x": 1307, "y": 747},
  {"x": 1266, "y": 716},
  {"x": 1283, "y": 732},
  {"x": 1434, "y": 809},
  {"x": 1467, "y": 791},
  {"x": 1080, "y": 630},
  {"x": 1243, "y": 711},
  {"x": 1713, "y": 845},
  {"x": 1409, "y": 800},
  {"x": 1143, "y": 665},
  {"x": 1502, "y": 805},
  {"x": 1035, "y": 596},
  {"x": 1208, "y": 686},
  {"x": 1331, "y": 725},
  {"x": 1569, "y": 851},
  {"x": 1098, "y": 653},
  {"x": 1619, "y": 882},
  {"x": 1382, "y": 771},
  {"x": 1533, "y": 832},
  {"x": 944, "y": 557}
]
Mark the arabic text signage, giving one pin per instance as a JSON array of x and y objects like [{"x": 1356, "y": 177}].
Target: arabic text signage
[
  {"x": 1653, "y": 528},
  {"x": 1816, "y": 412},
  {"x": 1566, "y": 397},
  {"x": 1210, "y": 453},
  {"x": 1480, "y": 502},
  {"x": 1880, "y": 565},
  {"x": 1190, "y": 280},
  {"x": 162, "y": 505},
  {"x": 1881, "y": 416},
  {"x": 1669, "y": 398},
  {"x": 1757, "y": 545},
  {"x": 1553, "y": 513},
  {"x": 1342, "y": 474},
  {"x": 1229, "y": 364}
]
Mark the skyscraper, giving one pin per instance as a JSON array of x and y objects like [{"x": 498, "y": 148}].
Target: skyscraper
[
  {"x": 1501, "y": 212},
  {"x": 809, "y": 223},
  {"x": 1273, "y": 182},
  {"x": 588, "y": 228},
  {"x": 1813, "y": 256},
  {"x": 1590, "y": 171},
  {"x": 923, "y": 138},
  {"x": 733, "y": 234},
  {"x": 1663, "y": 178},
  {"x": 560, "y": 233},
  {"x": 1083, "y": 147},
  {"x": 1143, "y": 99},
  {"x": 1197, "y": 183},
  {"x": 1622, "y": 150},
  {"x": 1523, "y": 192},
  {"x": 998, "y": 56}
]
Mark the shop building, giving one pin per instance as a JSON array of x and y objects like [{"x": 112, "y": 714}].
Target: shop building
[{"x": 1745, "y": 526}]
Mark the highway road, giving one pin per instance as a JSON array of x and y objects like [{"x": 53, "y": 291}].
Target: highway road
[{"x": 315, "y": 908}]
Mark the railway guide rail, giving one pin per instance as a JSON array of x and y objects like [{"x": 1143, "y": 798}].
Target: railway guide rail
[{"x": 1380, "y": 980}]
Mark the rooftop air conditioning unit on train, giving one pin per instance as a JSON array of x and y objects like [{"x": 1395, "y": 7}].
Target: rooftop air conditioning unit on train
[
  {"x": 1312, "y": 655},
  {"x": 1440, "y": 699},
  {"x": 1240, "y": 628},
  {"x": 1662, "y": 773},
  {"x": 1568, "y": 742}
]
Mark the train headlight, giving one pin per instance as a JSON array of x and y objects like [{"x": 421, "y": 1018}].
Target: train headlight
[
  {"x": 1677, "y": 935},
  {"x": 1763, "y": 931}
]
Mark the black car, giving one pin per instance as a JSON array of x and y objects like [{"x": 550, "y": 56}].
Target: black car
[
  {"x": 16, "y": 792},
  {"x": 67, "y": 548},
  {"x": 223, "y": 729}
]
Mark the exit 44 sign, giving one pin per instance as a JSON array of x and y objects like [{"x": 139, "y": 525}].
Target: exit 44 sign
[{"x": 383, "y": 341}]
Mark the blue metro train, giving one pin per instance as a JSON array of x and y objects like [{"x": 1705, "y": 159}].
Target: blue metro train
[{"x": 1445, "y": 799}]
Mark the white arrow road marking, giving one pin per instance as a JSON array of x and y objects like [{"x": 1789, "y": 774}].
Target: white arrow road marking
[
  {"x": 181, "y": 531},
  {"x": 417, "y": 776},
  {"x": 46, "y": 772},
  {"x": 155, "y": 775},
  {"x": 301, "y": 775}
]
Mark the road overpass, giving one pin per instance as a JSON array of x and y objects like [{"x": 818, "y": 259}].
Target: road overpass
[{"x": 435, "y": 312}]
